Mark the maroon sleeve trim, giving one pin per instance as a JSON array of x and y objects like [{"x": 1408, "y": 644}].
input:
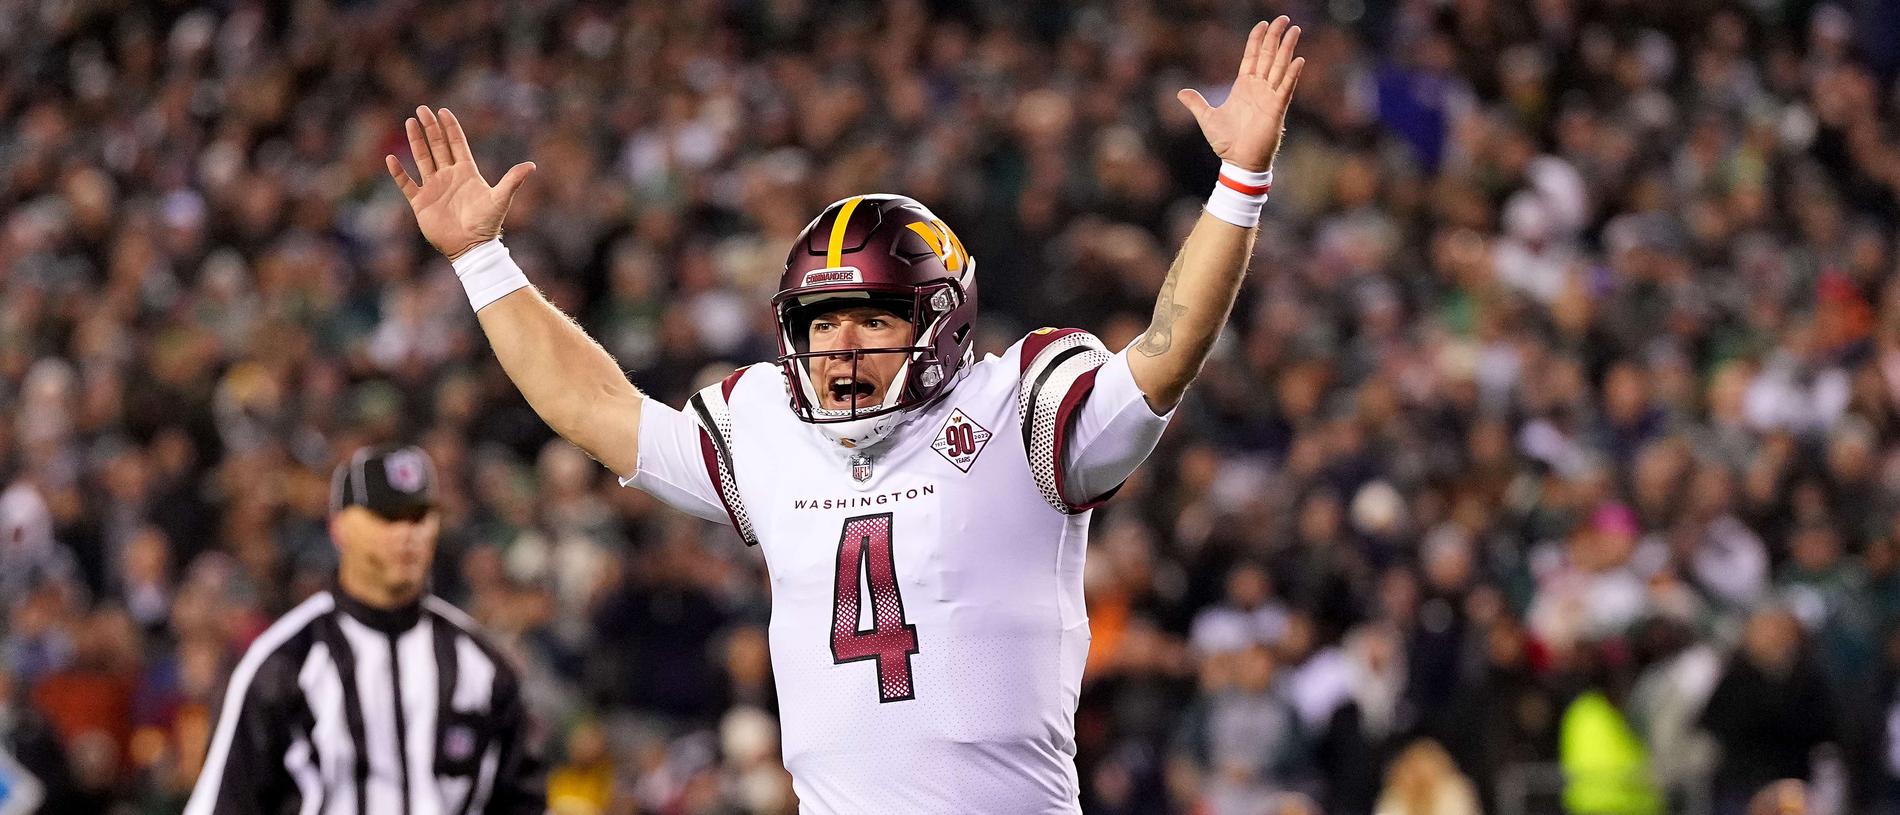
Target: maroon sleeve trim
[
  {"x": 710, "y": 453},
  {"x": 713, "y": 449},
  {"x": 1065, "y": 418}
]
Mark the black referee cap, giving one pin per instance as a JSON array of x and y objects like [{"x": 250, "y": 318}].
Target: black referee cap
[{"x": 394, "y": 482}]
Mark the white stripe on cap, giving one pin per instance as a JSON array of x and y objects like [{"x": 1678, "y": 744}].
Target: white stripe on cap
[{"x": 356, "y": 467}]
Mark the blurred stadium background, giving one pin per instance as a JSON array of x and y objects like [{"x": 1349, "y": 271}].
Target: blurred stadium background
[{"x": 1551, "y": 461}]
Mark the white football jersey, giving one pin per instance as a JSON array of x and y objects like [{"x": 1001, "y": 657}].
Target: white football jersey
[{"x": 928, "y": 629}]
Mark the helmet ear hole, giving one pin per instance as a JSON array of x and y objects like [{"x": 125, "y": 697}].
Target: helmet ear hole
[{"x": 797, "y": 321}]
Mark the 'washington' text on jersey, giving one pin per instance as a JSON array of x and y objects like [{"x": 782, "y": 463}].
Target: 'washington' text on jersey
[{"x": 859, "y": 501}]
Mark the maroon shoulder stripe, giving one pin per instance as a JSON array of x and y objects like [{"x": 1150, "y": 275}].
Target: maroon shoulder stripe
[
  {"x": 710, "y": 453},
  {"x": 1038, "y": 340},
  {"x": 731, "y": 381}
]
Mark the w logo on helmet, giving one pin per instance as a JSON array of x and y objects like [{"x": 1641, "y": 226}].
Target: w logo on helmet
[{"x": 943, "y": 242}]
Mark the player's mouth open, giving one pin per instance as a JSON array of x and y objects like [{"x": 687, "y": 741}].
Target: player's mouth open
[{"x": 845, "y": 393}]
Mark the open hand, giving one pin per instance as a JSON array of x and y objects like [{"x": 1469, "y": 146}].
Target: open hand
[
  {"x": 1246, "y": 128},
  {"x": 454, "y": 205}
]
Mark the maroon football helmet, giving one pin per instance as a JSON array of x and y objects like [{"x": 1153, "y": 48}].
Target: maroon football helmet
[{"x": 890, "y": 252}]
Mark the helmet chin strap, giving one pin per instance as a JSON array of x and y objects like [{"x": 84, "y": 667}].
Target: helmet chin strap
[{"x": 858, "y": 434}]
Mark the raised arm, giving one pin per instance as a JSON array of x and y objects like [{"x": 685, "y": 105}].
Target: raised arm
[
  {"x": 568, "y": 379},
  {"x": 1205, "y": 278}
]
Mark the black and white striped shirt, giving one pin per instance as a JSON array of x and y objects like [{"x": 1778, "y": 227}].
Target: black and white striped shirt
[{"x": 309, "y": 723}]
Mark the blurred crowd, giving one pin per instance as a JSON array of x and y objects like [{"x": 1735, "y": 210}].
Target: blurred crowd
[{"x": 1558, "y": 427}]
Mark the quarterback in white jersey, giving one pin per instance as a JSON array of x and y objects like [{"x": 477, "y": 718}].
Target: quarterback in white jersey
[
  {"x": 928, "y": 630},
  {"x": 923, "y": 515}
]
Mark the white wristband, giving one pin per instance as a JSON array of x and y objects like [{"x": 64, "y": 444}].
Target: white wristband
[
  {"x": 1239, "y": 195},
  {"x": 488, "y": 273}
]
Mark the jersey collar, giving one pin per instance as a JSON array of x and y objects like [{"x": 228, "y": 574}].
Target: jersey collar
[{"x": 389, "y": 621}]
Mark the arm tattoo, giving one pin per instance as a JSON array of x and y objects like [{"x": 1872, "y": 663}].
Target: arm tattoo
[{"x": 1160, "y": 335}]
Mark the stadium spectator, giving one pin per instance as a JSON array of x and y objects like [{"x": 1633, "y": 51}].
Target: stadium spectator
[
  {"x": 1423, "y": 781},
  {"x": 1770, "y": 711}
]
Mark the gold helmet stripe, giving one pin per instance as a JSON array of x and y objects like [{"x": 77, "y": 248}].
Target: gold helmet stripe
[{"x": 834, "y": 253}]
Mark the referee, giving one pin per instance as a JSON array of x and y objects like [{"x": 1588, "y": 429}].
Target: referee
[{"x": 311, "y": 720}]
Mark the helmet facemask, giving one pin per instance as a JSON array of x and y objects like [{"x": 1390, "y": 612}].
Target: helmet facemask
[{"x": 918, "y": 380}]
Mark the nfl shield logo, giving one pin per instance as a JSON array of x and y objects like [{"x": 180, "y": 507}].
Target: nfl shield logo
[
  {"x": 405, "y": 469},
  {"x": 458, "y": 743},
  {"x": 860, "y": 468}
]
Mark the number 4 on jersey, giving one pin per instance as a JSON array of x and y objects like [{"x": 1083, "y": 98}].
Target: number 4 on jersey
[{"x": 864, "y": 550}]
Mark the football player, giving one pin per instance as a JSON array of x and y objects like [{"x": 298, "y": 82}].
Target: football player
[{"x": 923, "y": 514}]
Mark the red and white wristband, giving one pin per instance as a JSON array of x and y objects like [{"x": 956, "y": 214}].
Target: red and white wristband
[
  {"x": 1239, "y": 195},
  {"x": 488, "y": 273}
]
